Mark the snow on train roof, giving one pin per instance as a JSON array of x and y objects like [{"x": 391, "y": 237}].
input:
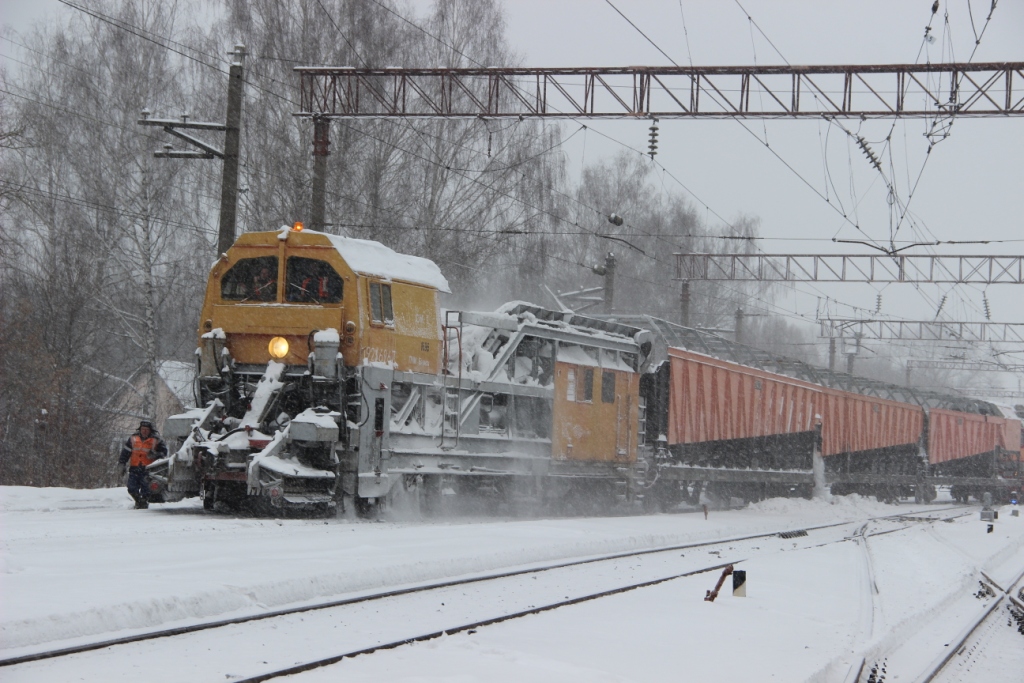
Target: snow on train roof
[{"x": 367, "y": 257}]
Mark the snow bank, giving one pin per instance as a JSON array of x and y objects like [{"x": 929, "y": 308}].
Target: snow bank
[
  {"x": 77, "y": 564},
  {"x": 29, "y": 498},
  {"x": 838, "y": 507}
]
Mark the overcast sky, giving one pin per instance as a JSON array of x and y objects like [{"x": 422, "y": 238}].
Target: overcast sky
[{"x": 971, "y": 187}]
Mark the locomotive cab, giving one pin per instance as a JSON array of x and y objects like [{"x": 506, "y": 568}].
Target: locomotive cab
[{"x": 272, "y": 291}]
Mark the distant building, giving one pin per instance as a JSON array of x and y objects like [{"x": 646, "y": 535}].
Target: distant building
[{"x": 174, "y": 395}]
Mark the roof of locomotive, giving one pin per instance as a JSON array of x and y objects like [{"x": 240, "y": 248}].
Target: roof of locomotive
[{"x": 364, "y": 257}]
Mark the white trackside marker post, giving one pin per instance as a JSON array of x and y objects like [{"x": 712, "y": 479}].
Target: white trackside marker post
[{"x": 739, "y": 583}]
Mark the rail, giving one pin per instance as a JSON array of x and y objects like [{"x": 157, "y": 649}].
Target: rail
[{"x": 194, "y": 628}]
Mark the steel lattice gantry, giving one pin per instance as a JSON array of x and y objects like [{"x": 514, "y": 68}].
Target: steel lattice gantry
[
  {"x": 966, "y": 365},
  {"x": 923, "y": 268},
  {"x": 872, "y": 91},
  {"x": 992, "y": 393},
  {"x": 922, "y": 330}
]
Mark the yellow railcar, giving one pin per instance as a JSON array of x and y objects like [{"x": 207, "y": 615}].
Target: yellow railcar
[{"x": 290, "y": 283}]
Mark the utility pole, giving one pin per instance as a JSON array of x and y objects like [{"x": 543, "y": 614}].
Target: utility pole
[
  {"x": 832, "y": 354},
  {"x": 850, "y": 356},
  {"x": 232, "y": 135},
  {"x": 609, "y": 283},
  {"x": 608, "y": 271},
  {"x": 684, "y": 304},
  {"x": 582, "y": 299},
  {"x": 321, "y": 145},
  {"x": 738, "y": 333}
]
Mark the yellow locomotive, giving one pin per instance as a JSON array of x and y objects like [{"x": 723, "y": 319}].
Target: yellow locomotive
[{"x": 328, "y": 370}]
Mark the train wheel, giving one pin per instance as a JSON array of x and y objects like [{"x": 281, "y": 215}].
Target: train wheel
[
  {"x": 652, "y": 502},
  {"x": 324, "y": 511},
  {"x": 430, "y": 496},
  {"x": 209, "y": 495},
  {"x": 366, "y": 508},
  {"x": 693, "y": 496},
  {"x": 930, "y": 494}
]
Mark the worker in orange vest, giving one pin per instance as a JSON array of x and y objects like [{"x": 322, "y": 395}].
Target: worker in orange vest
[{"x": 141, "y": 449}]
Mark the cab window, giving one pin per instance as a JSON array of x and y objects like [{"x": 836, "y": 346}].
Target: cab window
[
  {"x": 312, "y": 280},
  {"x": 607, "y": 387},
  {"x": 380, "y": 303},
  {"x": 251, "y": 279},
  {"x": 588, "y": 385}
]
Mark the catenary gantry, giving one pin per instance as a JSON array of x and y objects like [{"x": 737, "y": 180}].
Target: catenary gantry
[
  {"x": 844, "y": 91},
  {"x": 879, "y": 267},
  {"x": 922, "y": 330}
]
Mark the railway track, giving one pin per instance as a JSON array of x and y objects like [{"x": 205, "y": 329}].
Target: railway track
[
  {"x": 860, "y": 536},
  {"x": 871, "y": 617},
  {"x": 557, "y": 590},
  {"x": 975, "y": 652},
  {"x": 992, "y": 627}
]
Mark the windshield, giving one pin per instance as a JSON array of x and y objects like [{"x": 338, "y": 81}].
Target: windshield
[
  {"x": 314, "y": 281},
  {"x": 251, "y": 279}
]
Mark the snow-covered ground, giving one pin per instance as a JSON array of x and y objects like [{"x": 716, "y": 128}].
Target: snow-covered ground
[{"x": 79, "y": 566}]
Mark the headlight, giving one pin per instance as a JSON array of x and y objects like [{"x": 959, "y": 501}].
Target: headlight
[{"x": 278, "y": 347}]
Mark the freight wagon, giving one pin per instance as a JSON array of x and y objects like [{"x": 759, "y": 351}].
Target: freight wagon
[{"x": 744, "y": 431}]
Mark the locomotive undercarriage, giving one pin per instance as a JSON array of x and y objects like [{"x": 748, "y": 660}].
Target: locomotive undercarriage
[{"x": 266, "y": 439}]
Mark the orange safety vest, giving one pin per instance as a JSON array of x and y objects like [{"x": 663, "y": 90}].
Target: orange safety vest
[
  {"x": 321, "y": 286},
  {"x": 142, "y": 450}
]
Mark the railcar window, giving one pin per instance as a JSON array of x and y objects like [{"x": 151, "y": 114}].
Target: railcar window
[
  {"x": 385, "y": 296},
  {"x": 251, "y": 279},
  {"x": 314, "y": 281},
  {"x": 494, "y": 412},
  {"x": 588, "y": 385},
  {"x": 607, "y": 387},
  {"x": 380, "y": 303}
]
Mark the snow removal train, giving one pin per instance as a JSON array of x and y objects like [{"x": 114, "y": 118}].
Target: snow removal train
[{"x": 328, "y": 372}]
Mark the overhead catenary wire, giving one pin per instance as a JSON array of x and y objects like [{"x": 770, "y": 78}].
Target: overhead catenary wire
[
  {"x": 599, "y": 132},
  {"x": 514, "y": 198},
  {"x": 893, "y": 194},
  {"x": 765, "y": 142}
]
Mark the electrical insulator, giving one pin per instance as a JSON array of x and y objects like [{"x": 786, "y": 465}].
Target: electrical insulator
[
  {"x": 878, "y": 302},
  {"x": 988, "y": 311},
  {"x": 653, "y": 146},
  {"x": 863, "y": 144},
  {"x": 942, "y": 303}
]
